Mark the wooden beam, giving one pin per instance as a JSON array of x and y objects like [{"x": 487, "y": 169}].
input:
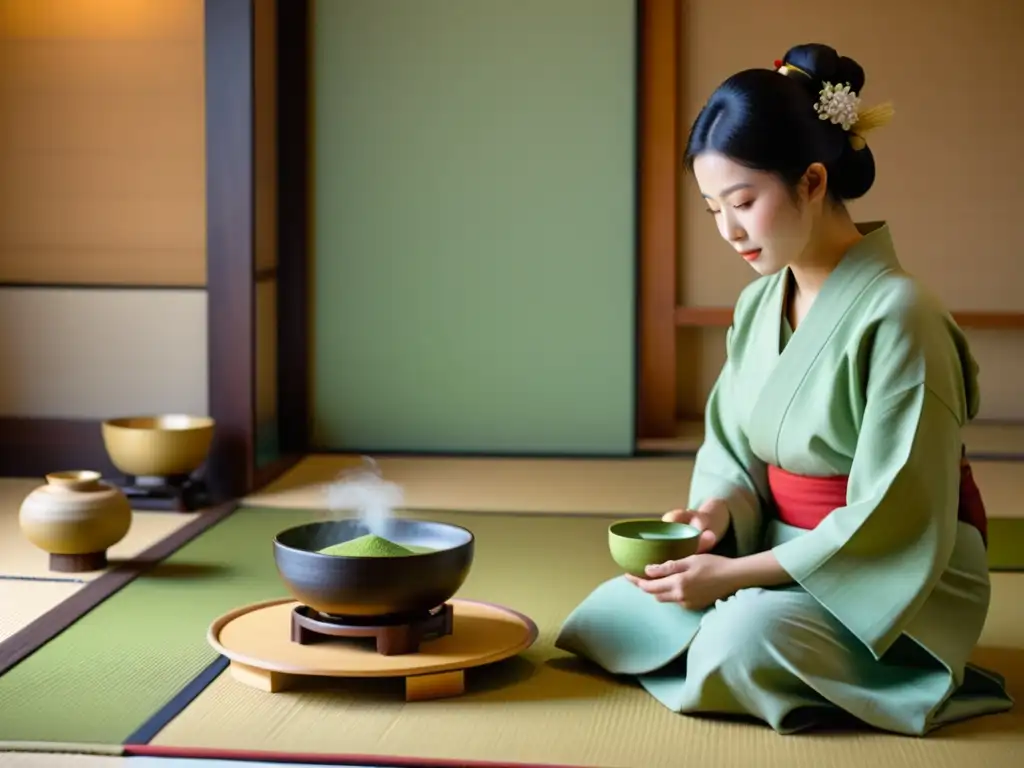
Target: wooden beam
[
  {"x": 293, "y": 153},
  {"x": 703, "y": 317},
  {"x": 256, "y": 83},
  {"x": 658, "y": 215},
  {"x": 721, "y": 317},
  {"x": 990, "y": 321},
  {"x": 230, "y": 243}
]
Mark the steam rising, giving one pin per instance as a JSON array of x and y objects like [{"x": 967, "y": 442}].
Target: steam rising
[{"x": 365, "y": 491}]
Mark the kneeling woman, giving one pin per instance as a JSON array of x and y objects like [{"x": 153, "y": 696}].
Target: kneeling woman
[{"x": 843, "y": 561}]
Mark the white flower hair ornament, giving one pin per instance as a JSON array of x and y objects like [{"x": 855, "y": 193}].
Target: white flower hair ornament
[
  {"x": 838, "y": 104},
  {"x": 841, "y": 105}
]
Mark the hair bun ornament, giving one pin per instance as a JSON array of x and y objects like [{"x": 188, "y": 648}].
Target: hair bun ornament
[
  {"x": 841, "y": 106},
  {"x": 868, "y": 120},
  {"x": 784, "y": 68},
  {"x": 838, "y": 104}
]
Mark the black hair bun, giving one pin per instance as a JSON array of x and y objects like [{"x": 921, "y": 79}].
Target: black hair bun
[
  {"x": 826, "y": 65},
  {"x": 767, "y": 121},
  {"x": 853, "y": 172}
]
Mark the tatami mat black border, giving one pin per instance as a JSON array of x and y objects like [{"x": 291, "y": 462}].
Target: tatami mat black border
[
  {"x": 148, "y": 731},
  {"x": 28, "y": 640}
]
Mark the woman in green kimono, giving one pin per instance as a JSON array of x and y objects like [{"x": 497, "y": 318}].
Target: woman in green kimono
[{"x": 842, "y": 568}]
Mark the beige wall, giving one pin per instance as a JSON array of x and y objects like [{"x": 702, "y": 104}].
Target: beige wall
[
  {"x": 949, "y": 165},
  {"x": 100, "y": 353},
  {"x": 101, "y": 145},
  {"x": 102, "y": 151}
]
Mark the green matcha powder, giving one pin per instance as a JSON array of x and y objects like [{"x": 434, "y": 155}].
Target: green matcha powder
[{"x": 367, "y": 546}]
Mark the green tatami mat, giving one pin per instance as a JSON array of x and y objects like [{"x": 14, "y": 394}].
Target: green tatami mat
[
  {"x": 110, "y": 671},
  {"x": 115, "y": 667}
]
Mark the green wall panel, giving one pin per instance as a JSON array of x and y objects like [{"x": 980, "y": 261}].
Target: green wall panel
[{"x": 474, "y": 250}]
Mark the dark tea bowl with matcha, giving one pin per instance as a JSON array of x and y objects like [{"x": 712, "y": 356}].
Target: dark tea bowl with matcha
[
  {"x": 337, "y": 568},
  {"x": 635, "y": 544}
]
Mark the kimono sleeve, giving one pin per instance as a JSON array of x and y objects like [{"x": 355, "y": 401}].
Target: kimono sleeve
[
  {"x": 874, "y": 562},
  {"x": 725, "y": 466}
]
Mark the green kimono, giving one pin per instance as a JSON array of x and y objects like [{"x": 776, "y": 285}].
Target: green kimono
[{"x": 889, "y": 592}]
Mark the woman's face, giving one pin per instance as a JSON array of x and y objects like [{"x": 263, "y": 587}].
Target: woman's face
[{"x": 755, "y": 213}]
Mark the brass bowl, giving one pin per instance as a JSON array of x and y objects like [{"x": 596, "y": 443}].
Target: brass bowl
[{"x": 158, "y": 446}]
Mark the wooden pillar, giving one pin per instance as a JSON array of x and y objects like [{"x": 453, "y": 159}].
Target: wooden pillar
[
  {"x": 659, "y": 171},
  {"x": 230, "y": 240},
  {"x": 256, "y": 56}
]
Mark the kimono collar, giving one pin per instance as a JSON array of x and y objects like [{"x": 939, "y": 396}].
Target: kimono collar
[
  {"x": 871, "y": 256},
  {"x": 875, "y": 245}
]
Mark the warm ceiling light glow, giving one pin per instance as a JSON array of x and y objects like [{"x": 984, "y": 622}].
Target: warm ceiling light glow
[{"x": 97, "y": 19}]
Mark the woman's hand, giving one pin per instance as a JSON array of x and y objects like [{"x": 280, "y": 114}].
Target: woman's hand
[
  {"x": 694, "y": 582},
  {"x": 711, "y": 518}
]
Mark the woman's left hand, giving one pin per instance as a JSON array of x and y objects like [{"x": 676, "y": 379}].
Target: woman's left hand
[{"x": 694, "y": 582}]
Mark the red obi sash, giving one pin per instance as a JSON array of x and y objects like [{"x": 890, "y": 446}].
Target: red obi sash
[{"x": 803, "y": 501}]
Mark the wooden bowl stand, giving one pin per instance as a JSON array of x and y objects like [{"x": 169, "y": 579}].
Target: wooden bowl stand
[{"x": 263, "y": 654}]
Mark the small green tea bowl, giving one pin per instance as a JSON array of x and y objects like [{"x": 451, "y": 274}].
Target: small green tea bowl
[{"x": 635, "y": 544}]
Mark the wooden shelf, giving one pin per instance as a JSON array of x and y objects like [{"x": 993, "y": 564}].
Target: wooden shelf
[
  {"x": 721, "y": 317},
  {"x": 703, "y": 317},
  {"x": 985, "y": 440},
  {"x": 992, "y": 321}
]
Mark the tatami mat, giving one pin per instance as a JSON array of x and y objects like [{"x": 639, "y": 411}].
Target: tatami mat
[
  {"x": 115, "y": 672},
  {"x": 127, "y": 657},
  {"x": 563, "y": 486},
  {"x": 20, "y": 559},
  {"x": 65, "y": 760},
  {"x": 546, "y": 708},
  {"x": 22, "y": 601},
  {"x": 634, "y": 486}
]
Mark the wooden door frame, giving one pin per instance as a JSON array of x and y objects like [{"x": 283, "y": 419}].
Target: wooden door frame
[{"x": 232, "y": 161}]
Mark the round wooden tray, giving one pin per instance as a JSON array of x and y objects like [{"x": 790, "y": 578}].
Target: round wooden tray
[{"x": 257, "y": 640}]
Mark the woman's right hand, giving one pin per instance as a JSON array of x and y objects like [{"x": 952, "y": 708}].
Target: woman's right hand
[{"x": 711, "y": 519}]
